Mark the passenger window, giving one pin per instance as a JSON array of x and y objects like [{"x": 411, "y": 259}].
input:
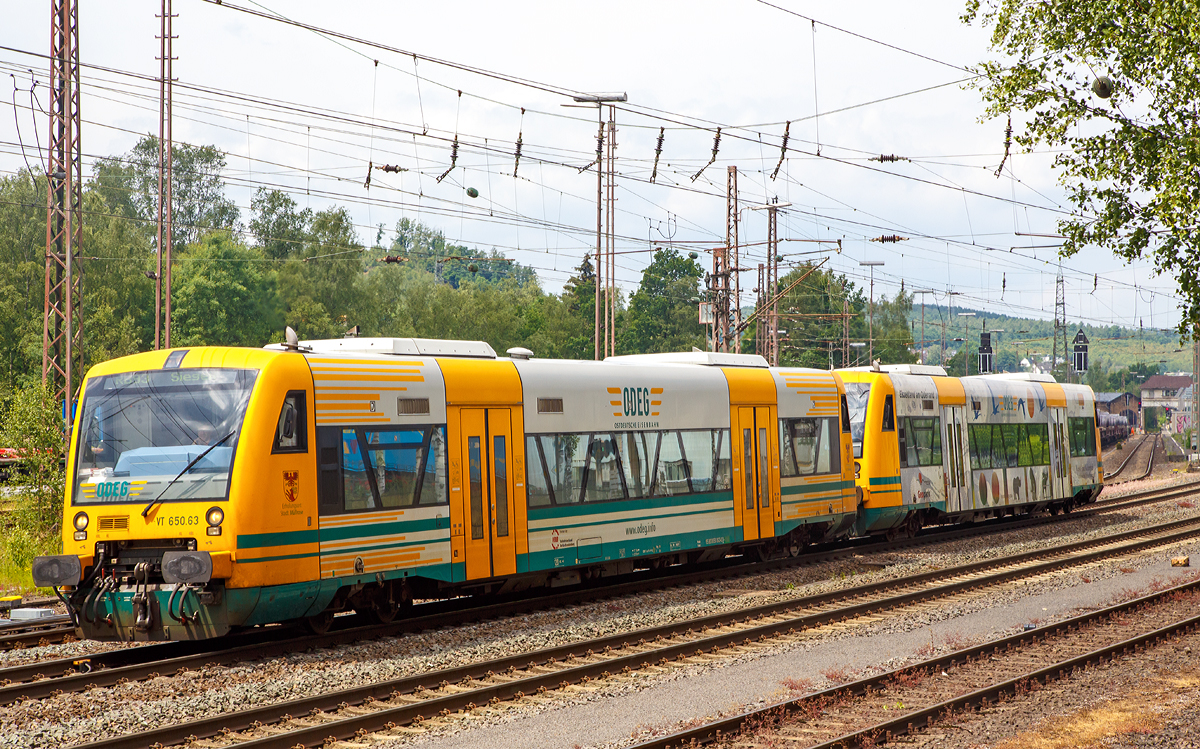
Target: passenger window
[
  {"x": 291, "y": 432},
  {"x": 889, "y": 419}
]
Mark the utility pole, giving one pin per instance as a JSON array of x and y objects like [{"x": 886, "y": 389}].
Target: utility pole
[
  {"x": 603, "y": 336},
  {"x": 845, "y": 326},
  {"x": 871, "y": 319},
  {"x": 731, "y": 237},
  {"x": 1060, "y": 320},
  {"x": 610, "y": 211},
  {"x": 61, "y": 322},
  {"x": 773, "y": 284},
  {"x": 923, "y": 292},
  {"x": 1195, "y": 388},
  {"x": 966, "y": 342},
  {"x": 162, "y": 279},
  {"x": 761, "y": 347},
  {"x": 724, "y": 262}
]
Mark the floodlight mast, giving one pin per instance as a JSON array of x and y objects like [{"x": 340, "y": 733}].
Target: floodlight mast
[{"x": 605, "y": 344}]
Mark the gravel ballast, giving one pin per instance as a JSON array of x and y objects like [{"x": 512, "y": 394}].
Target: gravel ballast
[{"x": 610, "y": 714}]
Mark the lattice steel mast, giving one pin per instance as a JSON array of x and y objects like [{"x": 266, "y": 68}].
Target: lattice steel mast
[{"x": 61, "y": 355}]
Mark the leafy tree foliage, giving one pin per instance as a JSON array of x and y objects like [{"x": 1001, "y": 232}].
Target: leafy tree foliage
[
  {"x": 279, "y": 229},
  {"x": 129, "y": 183},
  {"x": 662, "y": 313},
  {"x": 1131, "y": 160},
  {"x": 224, "y": 295},
  {"x": 33, "y": 426}
]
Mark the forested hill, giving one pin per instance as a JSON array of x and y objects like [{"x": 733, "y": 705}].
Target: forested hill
[
  {"x": 1111, "y": 347},
  {"x": 240, "y": 278}
]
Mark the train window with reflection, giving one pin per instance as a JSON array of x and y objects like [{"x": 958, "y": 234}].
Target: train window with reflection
[
  {"x": 980, "y": 438},
  {"x": 857, "y": 395},
  {"x": 808, "y": 447},
  {"x": 637, "y": 459},
  {"x": 291, "y": 433},
  {"x": 1082, "y": 436},
  {"x": 164, "y": 435},
  {"x": 923, "y": 441},
  {"x": 385, "y": 468},
  {"x": 671, "y": 474},
  {"x": 602, "y": 474}
]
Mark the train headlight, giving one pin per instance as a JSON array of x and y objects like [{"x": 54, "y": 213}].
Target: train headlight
[
  {"x": 857, "y": 469},
  {"x": 81, "y": 521},
  {"x": 214, "y": 517}
]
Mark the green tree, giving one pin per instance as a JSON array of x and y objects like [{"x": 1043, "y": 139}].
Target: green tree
[
  {"x": 426, "y": 248},
  {"x": 811, "y": 322},
  {"x": 318, "y": 285},
  {"x": 224, "y": 296},
  {"x": 1111, "y": 88},
  {"x": 279, "y": 229},
  {"x": 129, "y": 183},
  {"x": 662, "y": 313},
  {"x": 33, "y": 427}
]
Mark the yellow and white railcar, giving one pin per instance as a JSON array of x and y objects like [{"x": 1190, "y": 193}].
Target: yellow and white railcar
[
  {"x": 930, "y": 447},
  {"x": 214, "y": 488}
]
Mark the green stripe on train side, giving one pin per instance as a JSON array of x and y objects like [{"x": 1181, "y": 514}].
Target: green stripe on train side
[
  {"x": 280, "y": 538},
  {"x": 566, "y": 558},
  {"x": 876, "y": 481},
  {"x": 821, "y": 487},
  {"x": 663, "y": 516},
  {"x": 392, "y": 528},
  {"x": 552, "y": 512}
]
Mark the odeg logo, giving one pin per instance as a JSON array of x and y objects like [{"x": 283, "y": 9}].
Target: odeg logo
[{"x": 637, "y": 401}]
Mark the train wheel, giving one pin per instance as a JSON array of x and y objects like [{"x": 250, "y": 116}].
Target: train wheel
[
  {"x": 382, "y": 612},
  {"x": 319, "y": 624}
]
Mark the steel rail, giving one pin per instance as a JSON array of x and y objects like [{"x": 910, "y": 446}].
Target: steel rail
[
  {"x": 1125, "y": 462},
  {"x": 910, "y": 721},
  {"x": 462, "y": 610},
  {"x": 917, "y": 591}
]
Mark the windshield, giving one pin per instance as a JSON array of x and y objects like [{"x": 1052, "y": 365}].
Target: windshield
[
  {"x": 857, "y": 394},
  {"x": 139, "y": 430}
]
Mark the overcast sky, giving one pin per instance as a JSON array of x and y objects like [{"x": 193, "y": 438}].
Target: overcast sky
[{"x": 306, "y": 113}]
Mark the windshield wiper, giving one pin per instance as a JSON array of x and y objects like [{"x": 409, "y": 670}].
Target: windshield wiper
[{"x": 186, "y": 468}]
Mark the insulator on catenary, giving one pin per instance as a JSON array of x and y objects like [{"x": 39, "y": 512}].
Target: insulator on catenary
[
  {"x": 889, "y": 238},
  {"x": 787, "y": 127},
  {"x": 517, "y": 160},
  {"x": 716, "y": 148},
  {"x": 662, "y": 131},
  {"x": 887, "y": 158},
  {"x": 453, "y": 159},
  {"x": 391, "y": 168}
]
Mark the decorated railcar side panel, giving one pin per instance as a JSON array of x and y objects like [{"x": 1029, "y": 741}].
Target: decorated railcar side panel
[
  {"x": 919, "y": 437},
  {"x": 383, "y": 449},
  {"x": 625, "y": 461},
  {"x": 1013, "y": 455},
  {"x": 816, "y": 452},
  {"x": 1083, "y": 438}
]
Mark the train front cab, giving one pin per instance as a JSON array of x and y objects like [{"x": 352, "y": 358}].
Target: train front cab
[
  {"x": 185, "y": 496},
  {"x": 872, "y": 406}
]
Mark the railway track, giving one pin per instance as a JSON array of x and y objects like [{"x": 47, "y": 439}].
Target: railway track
[
  {"x": 139, "y": 663},
  {"x": 395, "y": 705},
  {"x": 1153, "y": 442},
  {"x": 933, "y": 690}
]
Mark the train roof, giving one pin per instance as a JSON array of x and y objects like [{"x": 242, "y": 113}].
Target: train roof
[
  {"x": 928, "y": 370},
  {"x": 695, "y": 356},
  {"x": 396, "y": 347}
]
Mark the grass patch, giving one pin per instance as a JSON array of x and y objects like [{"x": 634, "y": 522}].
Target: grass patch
[
  {"x": 1088, "y": 727},
  {"x": 1098, "y": 726}
]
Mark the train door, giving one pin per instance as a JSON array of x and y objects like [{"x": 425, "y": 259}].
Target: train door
[
  {"x": 954, "y": 459},
  {"x": 487, "y": 455},
  {"x": 1060, "y": 463},
  {"x": 752, "y": 443}
]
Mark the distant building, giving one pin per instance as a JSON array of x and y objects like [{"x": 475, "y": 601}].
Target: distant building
[
  {"x": 1162, "y": 391},
  {"x": 1181, "y": 417},
  {"x": 1120, "y": 404}
]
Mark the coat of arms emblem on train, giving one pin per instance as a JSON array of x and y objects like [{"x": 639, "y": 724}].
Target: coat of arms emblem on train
[{"x": 291, "y": 486}]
